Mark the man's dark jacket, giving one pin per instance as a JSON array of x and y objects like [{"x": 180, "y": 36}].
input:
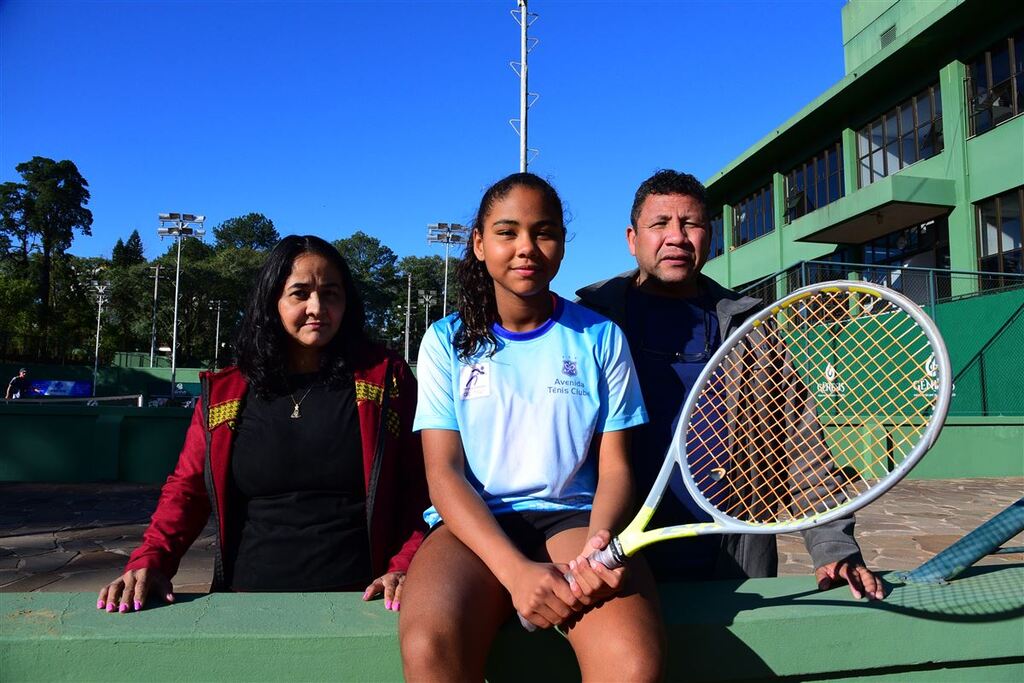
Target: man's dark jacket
[{"x": 740, "y": 555}]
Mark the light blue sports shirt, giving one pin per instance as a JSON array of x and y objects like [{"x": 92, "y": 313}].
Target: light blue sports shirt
[{"x": 526, "y": 415}]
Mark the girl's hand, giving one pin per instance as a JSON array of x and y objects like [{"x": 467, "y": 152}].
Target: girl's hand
[
  {"x": 541, "y": 595},
  {"x": 128, "y": 592},
  {"x": 391, "y": 586},
  {"x": 591, "y": 581}
]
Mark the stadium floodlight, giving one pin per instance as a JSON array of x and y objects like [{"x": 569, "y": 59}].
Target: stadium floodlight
[
  {"x": 427, "y": 297},
  {"x": 178, "y": 226},
  {"x": 448, "y": 234}
]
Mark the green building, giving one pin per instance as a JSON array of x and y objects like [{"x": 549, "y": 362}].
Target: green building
[
  {"x": 909, "y": 172},
  {"x": 914, "y": 158}
]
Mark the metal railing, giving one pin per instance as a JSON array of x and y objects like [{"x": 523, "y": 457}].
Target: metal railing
[{"x": 980, "y": 315}]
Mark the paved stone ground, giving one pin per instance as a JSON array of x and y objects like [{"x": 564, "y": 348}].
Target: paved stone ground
[{"x": 76, "y": 537}]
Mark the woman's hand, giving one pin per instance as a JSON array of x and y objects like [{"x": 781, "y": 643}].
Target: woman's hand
[
  {"x": 541, "y": 595},
  {"x": 130, "y": 590},
  {"x": 591, "y": 581},
  {"x": 391, "y": 586}
]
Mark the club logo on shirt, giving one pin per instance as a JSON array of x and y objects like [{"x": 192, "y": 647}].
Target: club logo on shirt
[
  {"x": 572, "y": 385},
  {"x": 475, "y": 380}
]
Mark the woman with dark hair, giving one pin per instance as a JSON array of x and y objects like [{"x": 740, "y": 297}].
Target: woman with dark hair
[
  {"x": 525, "y": 405},
  {"x": 303, "y": 452}
]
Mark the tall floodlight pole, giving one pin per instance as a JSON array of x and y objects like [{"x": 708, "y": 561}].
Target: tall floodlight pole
[
  {"x": 426, "y": 298},
  {"x": 216, "y": 339},
  {"x": 449, "y": 234},
  {"x": 152, "y": 334},
  {"x": 101, "y": 297},
  {"x": 525, "y": 19},
  {"x": 178, "y": 226},
  {"x": 408, "y": 311}
]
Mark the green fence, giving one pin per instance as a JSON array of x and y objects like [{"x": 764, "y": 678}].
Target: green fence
[{"x": 980, "y": 316}]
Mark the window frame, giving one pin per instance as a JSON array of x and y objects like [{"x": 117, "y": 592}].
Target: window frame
[
  {"x": 716, "y": 247},
  {"x": 867, "y": 162},
  {"x": 808, "y": 173},
  {"x": 763, "y": 216},
  {"x": 1014, "y": 82},
  {"x": 981, "y": 226}
]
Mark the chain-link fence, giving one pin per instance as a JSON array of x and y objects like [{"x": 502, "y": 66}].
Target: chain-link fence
[{"x": 980, "y": 316}]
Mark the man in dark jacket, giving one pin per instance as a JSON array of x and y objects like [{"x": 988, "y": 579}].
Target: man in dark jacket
[{"x": 674, "y": 318}]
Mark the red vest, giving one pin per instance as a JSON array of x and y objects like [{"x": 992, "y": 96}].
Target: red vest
[{"x": 396, "y": 490}]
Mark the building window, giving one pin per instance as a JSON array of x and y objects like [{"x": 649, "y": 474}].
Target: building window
[
  {"x": 995, "y": 83},
  {"x": 999, "y": 232},
  {"x": 753, "y": 217},
  {"x": 717, "y": 237},
  {"x": 815, "y": 183},
  {"x": 911, "y": 131}
]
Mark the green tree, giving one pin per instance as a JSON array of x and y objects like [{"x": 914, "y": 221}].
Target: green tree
[
  {"x": 251, "y": 231},
  {"x": 130, "y": 253},
  {"x": 53, "y": 208},
  {"x": 373, "y": 269},
  {"x": 427, "y": 274},
  {"x": 14, "y": 236}
]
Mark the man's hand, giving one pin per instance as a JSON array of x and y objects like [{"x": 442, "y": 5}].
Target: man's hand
[{"x": 862, "y": 581}]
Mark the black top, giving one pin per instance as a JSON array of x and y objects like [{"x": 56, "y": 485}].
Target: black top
[
  {"x": 297, "y": 493},
  {"x": 671, "y": 341},
  {"x": 20, "y": 387}
]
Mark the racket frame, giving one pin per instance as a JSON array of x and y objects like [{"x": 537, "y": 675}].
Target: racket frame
[{"x": 636, "y": 536}]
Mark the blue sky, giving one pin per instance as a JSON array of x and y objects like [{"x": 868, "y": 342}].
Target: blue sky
[{"x": 333, "y": 117}]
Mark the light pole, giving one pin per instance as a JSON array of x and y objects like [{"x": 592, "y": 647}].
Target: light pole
[
  {"x": 449, "y": 234},
  {"x": 427, "y": 297},
  {"x": 216, "y": 343},
  {"x": 152, "y": 334},
  {"x": 178, "y": 226},
  {"x": 101, "y": 298},
  {"x": 408, "y": 307}
]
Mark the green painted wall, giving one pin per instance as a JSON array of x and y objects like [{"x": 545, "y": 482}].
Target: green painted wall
[
  {"x": 865, "y": 20},
  {"x": 83, "y": 444},
  {"x": 985, "y": 447},
  {"x": 759, "y": 629},
  {"x": 985, "y": 338}
]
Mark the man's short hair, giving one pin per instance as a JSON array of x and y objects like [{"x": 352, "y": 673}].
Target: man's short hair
[
  {"x": 22, "y": 370},
  {"x": 667, "y": 181}
]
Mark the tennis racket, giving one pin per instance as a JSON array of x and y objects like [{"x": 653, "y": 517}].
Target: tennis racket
[{"x": 809, "y": 411}]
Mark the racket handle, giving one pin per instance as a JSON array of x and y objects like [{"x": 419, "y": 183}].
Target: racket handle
[{"x": 611, "y": 556}]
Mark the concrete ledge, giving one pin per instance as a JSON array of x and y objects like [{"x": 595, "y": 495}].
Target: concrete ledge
[{"x": 971, "y": 629}]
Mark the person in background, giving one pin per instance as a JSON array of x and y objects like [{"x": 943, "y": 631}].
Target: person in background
[
  {"x": 303, "y": 453},
  {"x": 19, "y": 386},
  {"x": 675, "y": 318}
]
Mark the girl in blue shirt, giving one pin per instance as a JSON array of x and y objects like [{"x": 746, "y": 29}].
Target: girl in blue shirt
[{"x": 524, "y": 408}]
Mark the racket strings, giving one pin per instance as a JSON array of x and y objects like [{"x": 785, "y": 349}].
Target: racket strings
[{"x": 769, "y": 441}]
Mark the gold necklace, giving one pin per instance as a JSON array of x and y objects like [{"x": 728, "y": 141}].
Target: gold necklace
[{"x": 295, "y": 413}]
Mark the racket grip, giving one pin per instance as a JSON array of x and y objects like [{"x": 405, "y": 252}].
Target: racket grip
[{"x": 611, "y": 556}]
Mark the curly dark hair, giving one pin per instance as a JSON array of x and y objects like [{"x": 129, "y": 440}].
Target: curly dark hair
[
  {"x": 667, "y": 181},
  {"x": 477, "y": 308},
  {"x": 261, "y": 343}
]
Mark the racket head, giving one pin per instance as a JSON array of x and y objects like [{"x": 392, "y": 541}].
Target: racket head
[{"x": 861, "y": 396}]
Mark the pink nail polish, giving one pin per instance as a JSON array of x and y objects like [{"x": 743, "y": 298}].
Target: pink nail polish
[
  {"x": 387, "y": 604},
  {"x": 138, "y": 605},
  {"x": 110, "y": 607},
  {"x": 123, "y": 608},
  {"x": 99, "y": 604},
  {"x": 396, "y": 605}
]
